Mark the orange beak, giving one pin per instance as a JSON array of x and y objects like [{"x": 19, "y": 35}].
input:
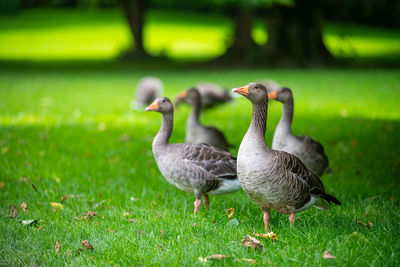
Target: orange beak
[
  {"x": 182, "y": 95},
  {"x": 153, "y": 106},
  {"x": 272, "y": 95},
  {"x": 244, "y": 90}
]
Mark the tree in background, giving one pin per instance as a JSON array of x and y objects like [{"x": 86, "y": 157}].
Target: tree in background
[
  {"x": 134, "y": 11},
  {"x": 295, "y": 34},
  {"x": 294, "y": 30}
]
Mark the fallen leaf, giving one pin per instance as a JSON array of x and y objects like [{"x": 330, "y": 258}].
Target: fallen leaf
[
  {"x": 87, "y": 245},
  {"x": 214, "y": 257},
  {"x": 29, "y": 222},
  {"x": 89, "y": 215},
  {"x": 132, "y": 220},
  {"x": 2, "y": 184},
  {"x": 64, "y": 198},
  {"x": 139, "y": 232},
  {"x": 327, "y": 255},
  {"x": 40, "y": 228},
  {"x": 269, "y": 235},
  {"x": 251, "y": 242},
  {"x": 162, "y": 232},
  {"x": 230, "y": 212},
  {"x": 57, "y": 246},
  {"x": 13, "y": 210},
  {"x": 195, "y": 225},
  {"x": 57, "y": 206},
  {"x": 368, "y": 224},
  {"x": 23, "y": 207},
  {"x": 251, "y": 261}
]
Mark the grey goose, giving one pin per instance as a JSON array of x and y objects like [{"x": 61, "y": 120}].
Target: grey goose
[
  {"x": 147, "y": 89},
  {"x": 211, "y": 95},
  {"x": 196, "y": 132},
  {"x": 197, "y": 168},
  {"x": 309, "y": 151},
  {"x": 274, "y": 179}
]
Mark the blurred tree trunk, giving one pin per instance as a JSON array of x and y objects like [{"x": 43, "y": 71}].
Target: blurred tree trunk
[
  {"x": 134, "y": 12},
  {"x": 242, "y": 47},
  {"x": 295, "y": 35}
]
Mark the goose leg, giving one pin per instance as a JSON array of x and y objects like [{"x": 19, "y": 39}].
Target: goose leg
[
  {"x": 266, "y": 218},
  {"x": 206, "y": 201},
  {"x": 291, "y": 218},
  {"x": 197, "y": 204}
]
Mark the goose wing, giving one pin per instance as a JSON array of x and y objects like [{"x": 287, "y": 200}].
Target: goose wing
[
  {"x": 300, "y": 171},
  {"x": 297, "y": 168},
  {"x": 212, "y": 160},
  {"x": 314, "y": 145}
]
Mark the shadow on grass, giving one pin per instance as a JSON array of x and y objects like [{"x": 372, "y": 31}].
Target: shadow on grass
[{"x": 167, "y": 64}]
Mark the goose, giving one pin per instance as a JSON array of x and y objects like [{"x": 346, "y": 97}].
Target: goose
[
  {"x": 211, "y": 95},
  {"x": 147, "y": 89},
  {"x": 195, "y": 131},
  {"x": 197, "y": 168},
  {"x": 309, "y": 151},
  {"x": 274, "y": 179}
]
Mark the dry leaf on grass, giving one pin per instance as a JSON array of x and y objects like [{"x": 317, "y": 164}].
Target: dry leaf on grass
[
  {"x": 87, "y": 216},
  {"x": 327, "y": 255},
  {"x": 56, "y": 206},
  {"x": 40, "y": 228},
  {"x": 24, "y": 207},
  {"x": 132, "y": 220},
  {"x": 252, "y": 242},
  {"x": 214, "y": 257},
  {"x": 269, "y": 235},
  {"x": 2, "y": 184},
  {"x": 368, "y": 224},
  {"x": 230, "y": 212},
  {"x": 251, "y": 261},
  {"x": 13, "y": 210},
  {"x": 57, "y": 246},
  {"x": 87, "y": 245}
]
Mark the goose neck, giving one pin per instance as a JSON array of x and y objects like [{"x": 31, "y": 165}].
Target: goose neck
[
  {"x": 258, "y": 124},
  {"x": 165, "y": 131},
  {"x": 285, "y": 123}
]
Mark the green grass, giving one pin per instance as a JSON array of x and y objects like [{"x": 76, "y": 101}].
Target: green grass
[
  {"x": 103, "y": 34},
  {"x": 62, "y": 129},
  {"x": 66, "y": 128}
]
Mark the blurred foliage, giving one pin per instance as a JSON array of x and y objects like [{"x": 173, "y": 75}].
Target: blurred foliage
[
  {"x": 373, "y": 12},
  {"x": 182, "y": 35}
]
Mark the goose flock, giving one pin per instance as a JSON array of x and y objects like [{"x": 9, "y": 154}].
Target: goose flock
[{"x": 284, "y": 178}]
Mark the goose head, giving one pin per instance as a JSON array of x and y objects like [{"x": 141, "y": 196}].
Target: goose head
[
  {"x": 255, "y": 92},
  {"x": 282, "y": 94},
  {"x": 162, "y": 105},
  {"x": 189, "y": 96}
]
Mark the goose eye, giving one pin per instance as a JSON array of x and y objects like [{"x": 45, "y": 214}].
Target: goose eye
[{"x": 163, "y": 101}]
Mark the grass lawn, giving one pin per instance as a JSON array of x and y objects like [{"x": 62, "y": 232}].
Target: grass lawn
[
  {"x": 67, "y": 136},
  {"x": 71, "y": 134}
]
